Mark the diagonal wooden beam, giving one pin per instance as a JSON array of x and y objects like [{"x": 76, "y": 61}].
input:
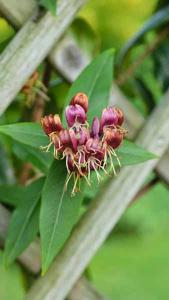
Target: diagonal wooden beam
[
  {"x": 30, "y": 46},
  {"x": 103, "y": 213}
]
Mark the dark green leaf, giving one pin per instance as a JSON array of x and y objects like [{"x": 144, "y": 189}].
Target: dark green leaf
[
  {"x": 49, "y": 5},
  {"x": 95, "y": 81},
  {"x": 38, "y": 158},
  {"x": 24, "y": 223},
  {"x": 59, "y": 212},
  {"x": 13, "y": 194},
  {"x": 26, "y": 133},
  {"x": 158, "y": 19}
]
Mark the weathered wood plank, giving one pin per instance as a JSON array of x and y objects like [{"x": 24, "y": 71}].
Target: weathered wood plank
[
  {"x": 29, "y": 48},
  {"x": 84, "y": 290},
  {"x": 16, "y": 11},
  {"x": 103, "y": 213}
]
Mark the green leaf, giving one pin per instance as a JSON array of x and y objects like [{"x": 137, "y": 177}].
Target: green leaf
[
  {"x": 130, "y": 154},
  {"x": 59, "y": 212},
  {"x": 158, "y": 19},
  {"x": 39, "y": 159},
  {"x": 13, "y": 194},
  {"x": 26, "y": 133},
  {"x": 14, "y": 277},
  {"x": 95, "y": 81},
  {"x": 24, "y": 223},
  {"x": 49, "y": 5}
]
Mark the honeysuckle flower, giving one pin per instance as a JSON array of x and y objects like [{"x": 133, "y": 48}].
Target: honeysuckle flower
[{"x": 85, "y": 149}]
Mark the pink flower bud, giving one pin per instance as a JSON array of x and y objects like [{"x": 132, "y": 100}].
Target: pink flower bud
[
  {"x": 95, "y": 128},
  {"x": 80, "y": 99},
  {"x": 113, "y": 137},
  {"x": 74, "y": 114},
  {"x": 51, "y": 123},
  {"x": 109, "y": 117}
]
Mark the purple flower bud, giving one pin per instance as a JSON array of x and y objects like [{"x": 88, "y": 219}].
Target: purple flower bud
[
  {"x": 75, "y": 113},
  {"x": 95, "y": 128},
  {"x": 109, "y": 117}
]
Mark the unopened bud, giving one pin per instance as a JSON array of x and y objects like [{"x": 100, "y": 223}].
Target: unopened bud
[
  {"x": 109, "y": 117},
  {"x": 95, "y": 128},
  {"x": 80, "y": 99},
  {"x": 113, "y": 137},
  {"x": 51, "y": 123},
  {"x": 75, "y": 113}
]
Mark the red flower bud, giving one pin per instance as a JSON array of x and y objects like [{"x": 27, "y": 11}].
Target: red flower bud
[
  {"x": 51, "y": 123},
  {"x": 113, "y": 137},
  {"x": 64, "y": 138},
  {"x": 80, "y": 99},
  {"x": 95, "y": 128},
  {"x": 75, "y": 114}
]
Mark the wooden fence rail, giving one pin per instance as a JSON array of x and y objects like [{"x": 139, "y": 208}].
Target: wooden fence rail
[{"x": 30, "y": 46}]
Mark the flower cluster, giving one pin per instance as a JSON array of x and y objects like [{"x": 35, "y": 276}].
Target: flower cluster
[{"x": 85, "y": 149}]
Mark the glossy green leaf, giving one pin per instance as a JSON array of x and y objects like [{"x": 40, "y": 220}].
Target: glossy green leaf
[
  {"x": 158, "y": 19},
  {"x": 95, "y": 81},
  {"x": 24, "y": 223},
  {"x": 26, "y": 133},
  {"x": 59, "y": 212},
  {"x": 49, "y": 5}
]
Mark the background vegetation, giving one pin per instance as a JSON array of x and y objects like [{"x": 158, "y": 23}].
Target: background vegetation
[{"x": 133, "y": 263}]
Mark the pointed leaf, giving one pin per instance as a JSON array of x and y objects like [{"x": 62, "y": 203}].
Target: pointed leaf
[
  {"x": 95, "y": 81},
  {"x": 24, "y": 223},
  {"x": 59, "y": 213},
  {"x": 26, "y": 133},
  {"x": 130, "y": 154}
]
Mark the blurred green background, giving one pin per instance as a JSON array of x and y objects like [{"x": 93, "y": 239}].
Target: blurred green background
[{"x": 134, "y": 261}]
